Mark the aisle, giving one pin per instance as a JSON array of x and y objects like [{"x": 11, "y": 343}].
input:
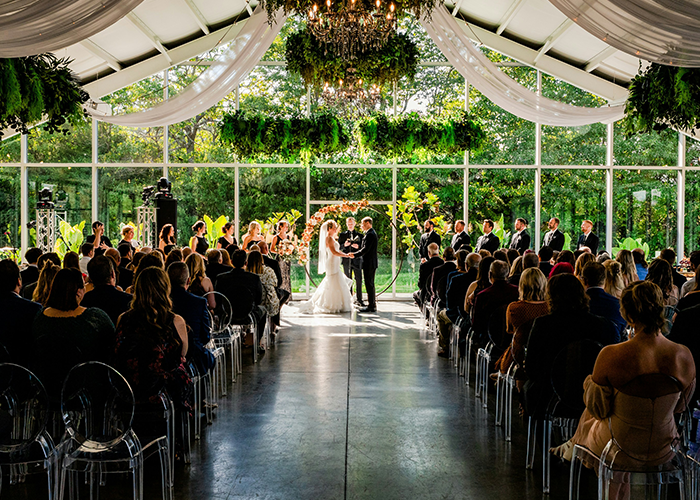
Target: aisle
[{"x": 357, "y": 407}]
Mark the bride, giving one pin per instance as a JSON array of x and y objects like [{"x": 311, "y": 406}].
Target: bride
[{"x": 333, "y": 294}]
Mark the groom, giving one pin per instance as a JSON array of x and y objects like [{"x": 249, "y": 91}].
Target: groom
[{"x": 368, "y": 252}]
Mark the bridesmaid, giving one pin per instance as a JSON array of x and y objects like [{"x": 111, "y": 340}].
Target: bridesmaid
[
  {"x": 166, "y": 240},
  {"x": 253, "y": 236},
  {"x": 227, "y": 239},
  {"x": 198, "y": 243},
  {"x": 285, "y": 265}
]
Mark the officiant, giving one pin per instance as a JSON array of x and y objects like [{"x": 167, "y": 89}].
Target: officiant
[{"x": 351, "y": 241}]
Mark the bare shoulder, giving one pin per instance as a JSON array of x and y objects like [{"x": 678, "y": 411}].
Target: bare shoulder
[{"x": 179, "y": 322}]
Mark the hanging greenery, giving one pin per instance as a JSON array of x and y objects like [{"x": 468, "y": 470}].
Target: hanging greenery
[
  {"x": 661, "y": 97},
  {"x": 308, "y": 58},
  {"x": 403, "y": 136},
  {"x": 36, "y": 87},
  {"x": 255, "y": 135}
]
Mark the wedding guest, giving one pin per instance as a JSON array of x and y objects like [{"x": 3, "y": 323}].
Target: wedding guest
[
  {"x": 690, "y": 299},
  {"x": 501, "y": 255},
  {"x": 198, "y": 243},
  {"x": 511, "y": 256},
  {"x": 88, "y": 252},
  {"x": 16, "y": 312},
  {"x": 561, "y": 268},
  {"x": 152, "y": 259},
  {"x": 43, "y": 286},
  {"x": 425, "y": 272},
  {"x": 689, "y": 285},
  {"x": 660, "y": 273},
  {"x": 30, "y": 274},
  {"x": 71, "y": 261},
  {"x": 200, "y": 284},
  {"x": 614, "y": 283},
  {"x": 516, "y": 271},
  {"x": 136, "y": 260},
  {"x": 602, "y": 257},
  {"x": 127, "y": 237},
  {"x": 640, "y": 263},
  {"x": 166, "y": 239},
  {"x": 270, "y": 302},
  {"x": 253, "y": 236},
  {"x": 602, "y": 303},
  {"x": 105, "y": 295},
  {"x": 226, "y": 256},
  {"x": 670, "y": 256},
  {"x": 458, "y": 285},
  {"x": 113, "y": 254},
  {"x": 481, "y": 283},
  {"x": 583, "y": 259},
  {"x": 566, "y": 256},
  {"x": 545, "y": 256},
  {"x": 271, "y": 263},
  {"x": 98, "y": 239},
  {"x": 499, "y": 294},
  {"x": 443, "y": 319},
  {"x": 28, "y": 290},
  {"x": 439, "y": 273},
  {"x": 225, "y": 241},
  {"x": 629, "y": 271},
  {"x": 186, "y": 251},
  {"x": 175, "y": 255},
  {"x": 88, "y": 329}
]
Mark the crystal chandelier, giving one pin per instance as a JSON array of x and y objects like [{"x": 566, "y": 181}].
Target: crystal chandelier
[
  {"x": 351, "y": 93},
  {"x": 351, "y": 28}
]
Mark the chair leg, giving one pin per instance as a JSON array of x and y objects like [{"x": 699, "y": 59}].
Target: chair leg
[
  {"x": 510, "y": 388},
  {"x": 546, "y": 456},
  {"x": 531, "y": 443},
  {"x": 499, "y": 405},
  {"x": 574, "y": 476},
  {"x": 485, "y": 378}
]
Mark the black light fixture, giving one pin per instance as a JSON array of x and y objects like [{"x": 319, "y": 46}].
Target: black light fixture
[
  {"x": 165, "y": 188},
  {"x": 45, "y": 198}
]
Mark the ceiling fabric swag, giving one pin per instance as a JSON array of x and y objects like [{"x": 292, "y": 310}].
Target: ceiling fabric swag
[
  {"x": 661, "y": 31},
  {"x": 31, "y": 27},
  {"x": 215, "y": 83},
  {"x": 502, "y": 90}
]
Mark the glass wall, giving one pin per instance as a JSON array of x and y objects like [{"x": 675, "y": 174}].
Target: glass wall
[
  {"x": 9, "y": 212},
  {"x": 692, "y": 211}
]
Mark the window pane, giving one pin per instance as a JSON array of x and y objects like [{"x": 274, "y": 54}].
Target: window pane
[
  {"x": 9, "y": 209},
  {"x": 10, "y": 149},
  {"x": 129, "y": 145},
  {"x": 337, "y": 184},
  {"x": 692, "y": 212}
]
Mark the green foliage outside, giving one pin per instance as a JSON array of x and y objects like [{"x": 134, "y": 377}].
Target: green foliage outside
[
  {"x": 70, "y": 239},
  {"x": 630, "y": 244}
]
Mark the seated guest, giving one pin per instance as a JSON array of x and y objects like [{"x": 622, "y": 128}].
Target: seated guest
[
  {"x": 484, "y": 253},
  {"x": 153, "y": 259},
  {"x": 480, "y": 284},
  {"x": 17, "y": 313},
  {"x": 89, "y": 329},
  {"x": 629, "y": 271},
  {"x": 282, "y": 294},
  {"x": 581, "y": 262},
  {"x": 644, "y": 428},
  {"x": 231, "y": 282},
  {"x": 42, "y": 288},
  {"x": 670, "y": 256},
  {"x": 545, "y": 255},
  {"x": 521, "y": 314},
  {"x": 561, "y": 268},
  {"x": 214, "y": 265},
  {"x": 568, "y": 321},
  {"x": 600, "y": 302},
  {"x": 200, "y": 284},
  {"x": 685, "y": 332},
  {"x": 194, "y": 311},
  {"x": 694, "y": 263},
  {"x": 516, "y": 270},
  {"x": 443, "y": 320},
  {"x": 71, "y": 261},
  {"x": 226, "y": 256},
  {"x": 660, "y": 273},
  {"x": 602, "y": 257},
  {"x": 501, "y": 255},
  {"x": 116, "y": 257},
  {"x": 614, "y": 283},
  {"x": 511, "y": 255},
  {"x": 175, "y": 255},
  {"x": 127, "y": 237},
  {"x": 640, "y": 263},
  {"x": 104, "y": 294},
  {"x": 126, "y": 254},
  {"x": 270, "y": 262},
  {"x": 425, "y": 272},
  {"x": 151, "y": 342},
  {"x": 28, "y": 290},
  {"x": 449, "y": 265},
  {"x": 566, "y": 256},
  {"x": 458, "y": 285},
  {"x": 186, "y": 251},
  {"x": 30, "y": 274},
  {"x": 270, "y": 302},
  {"x": 692, "y": 295},
  {"x": 500, "y": 293},
  {"x": 88, "y": 252}
]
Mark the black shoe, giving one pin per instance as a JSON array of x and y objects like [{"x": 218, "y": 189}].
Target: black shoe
[
  {"x": 368, "y": 310},
  {"x": 360, "y": 303},
  {"x": 444, "y": 354}
]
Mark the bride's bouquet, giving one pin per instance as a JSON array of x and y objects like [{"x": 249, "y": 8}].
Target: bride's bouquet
[{"x": 287, "y": 250}]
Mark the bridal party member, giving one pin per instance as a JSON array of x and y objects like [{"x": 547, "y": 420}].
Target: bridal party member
[
  {"x": 253, "y": 236},
  {"x": 198, "y": 243}
]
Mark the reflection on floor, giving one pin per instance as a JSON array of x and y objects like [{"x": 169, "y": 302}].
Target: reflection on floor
[{"x": 354, "y": 406}]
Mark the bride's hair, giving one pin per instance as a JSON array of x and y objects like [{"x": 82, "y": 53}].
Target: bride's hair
[{"x": 331, "y": 224}]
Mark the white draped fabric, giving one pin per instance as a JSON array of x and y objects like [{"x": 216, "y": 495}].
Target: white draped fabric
[
  {"x": 215, "y": 83},
  {"x": 30, "y": 27},
  {"x": 502, "y": 90},
  {"x": 662, "y": 31}
]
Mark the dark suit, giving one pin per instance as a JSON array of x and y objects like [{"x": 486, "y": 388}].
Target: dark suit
[
  {"x": 546, "y": 268},
  {"x": 275, "y": 266},
  {"x": 678, "y": 279},
  {"x": 500, "y": 293},
  {"x": 554, "y": 240},
  {"x": 194, "y": 311},
  {"x": 425, "y": 240},
  {"x": 685, "y": 332},
  {"x": 16, "y": 332},
  {"x": 549, "y": 335},
  {"x": 488, "y": 242},
  {"x": 31, "y": 275},
  {"x": 370, "y": 262},
  {"x": 229, "y": 283},
  {"x": 520, "y": 242},
  {"x": 126, "y": 277},
  {"x": 461, "y": 240},
  {"x": 606, "y": 306},
  {"x": 456, "y": 294},
  {"x": 591, "y": 241},
  {"x": 215, "y": 269},
  {"x": 351, "y": 266},
  {"x": 109, "y": 299},
  {"x": 439, "y": 274},
  {"x": 425, "y": 273}
]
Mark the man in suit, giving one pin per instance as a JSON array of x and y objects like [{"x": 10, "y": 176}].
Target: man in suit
[
  {"x": 126, "y": 275},
  {"x": 685, "y": 332},
  {"x": 488, "y": 241},
  {"x": 31, "y": 273},
  {"x": 554, "y": 238},
  {"x": 193, "y": 310},
  {"x": 461, "y": 238},
  {"x": 425, "y": 273},
  {"x": 351, "y": 241},
  {"x": 105, "y": 295},
  {"x": 602, "y": 303},
  {"x": 669, "y": 256},
  {"x": 521, "y": 239},
  {"x": 17, "y": 314},
  {"x": 439, "y": 274},
  {"x": 282, "y": 295},
  {"x": 28, "y": 290},
  {"x": 453, "y": 293},
  {"x": 587, "y": 239},
  {"x": 545, "y": 255},
  {"x": 214, "y": 265},
  {"x": 429, "y": 236},
  {"x": 231, "y": 282},
  {"x": 370, "y": 262},
  {"x": 499, "y": 294}
]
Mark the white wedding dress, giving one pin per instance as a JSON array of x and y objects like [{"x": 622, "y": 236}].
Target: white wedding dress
[{"x": 333, "y": 294}]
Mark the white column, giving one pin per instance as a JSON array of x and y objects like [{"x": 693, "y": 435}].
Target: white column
[
  {"x": 94, "y": 178},
  {"x": 238, "y": 97},
  {"x": 24, "y": 198},
  {"x": 237, "y": 203},
  {"x": 465, "y": 180},
  {"x": 609, "y": 188},
  {"x": 166, "y": 129},
  {"x": 680, "y": 222},
  {"x": 394, "y": 248},
  {"x": 308, "y": 216},
  {"x": 538, "y": 173}
]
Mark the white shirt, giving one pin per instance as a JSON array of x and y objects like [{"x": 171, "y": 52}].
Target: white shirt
[{"x": 83, "y": 264}]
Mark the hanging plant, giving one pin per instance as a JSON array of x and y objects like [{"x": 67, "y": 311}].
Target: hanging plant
[
  {"x": 661, "y": 97},
  {"x": 308, "y": 58},
  {"x": 253, "y": 136},
  {"x": 39, "y": 87},
  {"x": 405, "y": 135}
]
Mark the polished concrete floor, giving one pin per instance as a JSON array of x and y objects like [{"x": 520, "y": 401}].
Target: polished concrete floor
[{"x": 353, "y": 407}]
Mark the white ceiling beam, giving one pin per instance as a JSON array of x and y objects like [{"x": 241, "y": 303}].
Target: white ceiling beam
[
  {"x": 458, "y": 4},
  {"x": 547, "y": 64},
  {"x": 599, "y": 58},
  {"x": 553, "y": 38},
  {"x": 197, "y": 14},
  {"x": 510, "y": 15},
  {"x": 148, "y": 32},
  {"x": 156, "y": 64},
  {"x": 98, "y": 51}
]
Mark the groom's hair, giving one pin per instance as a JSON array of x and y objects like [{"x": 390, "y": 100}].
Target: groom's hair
[{"x": 368, "y": 220}]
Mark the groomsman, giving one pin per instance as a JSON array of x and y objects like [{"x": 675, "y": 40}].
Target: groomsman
[
  {"x": 351, "y": 241},
  {"x": 521, "y": 239},
  {"x": 488, "y": 241},
  {"x": 554, "y": 238},
  {"x": 461, "y": 239},
  {"x": 429, "y": 236},
  {"x": 588, "y": 239}
]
